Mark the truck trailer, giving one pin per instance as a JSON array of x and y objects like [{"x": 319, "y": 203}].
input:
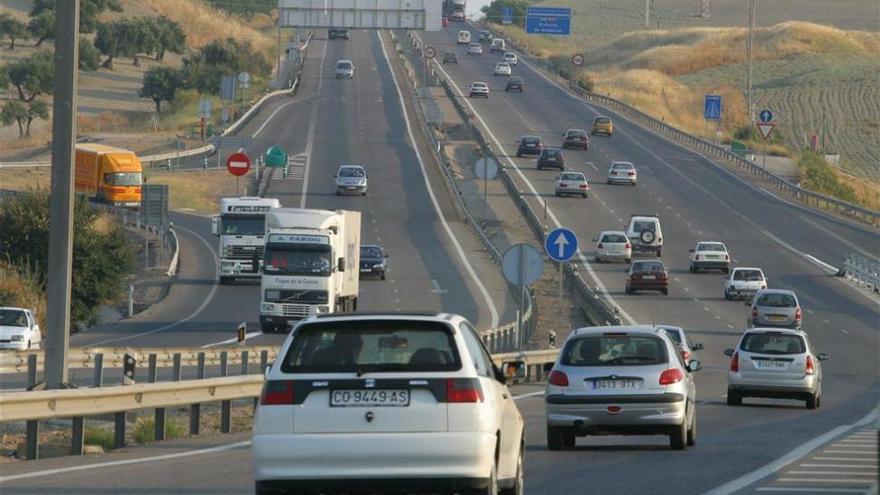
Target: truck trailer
[
  {"x": 241, "y": 225},
  {"x": 108, "y": 175}
]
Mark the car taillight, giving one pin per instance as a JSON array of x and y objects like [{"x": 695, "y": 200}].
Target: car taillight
[
  {"x": 583, "y": 186},
  {"x": 277, "y": 393},
  {"x": 797, "y": 314},
  {"x": 754, "y": 312},
  {"x": 670, "y": 376},
  {"x": 599, "y": 246},
  {"x": 631, "y": 174},
  {"x": 662, "y": 276},
  {"x": 810, "y": 367},
  {"x": 459, "y": 390},
  {"x": 563, "y": 184},
  {"x": 734, "y": 362},
  {"x": 627, "y": 246},
  {"x": 558, "y": 378}
]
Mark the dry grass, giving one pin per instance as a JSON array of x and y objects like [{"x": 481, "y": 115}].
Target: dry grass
[
  {"x": 867, "y": 192},
  {"x": 198, "y": 191},
  {"x": 21, "y": 179}
]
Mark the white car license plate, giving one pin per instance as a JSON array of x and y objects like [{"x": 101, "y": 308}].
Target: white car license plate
[
  {"x": 365, "y": 270},
  {"x": 761, "y": 363},
  {"x": 776, "y": 317},
  {"x": 616, "y": 384},
  {"x": 369, "y": 398},
  {"x": 351, "y": 188},
  {"x": 649, "y": 277}
]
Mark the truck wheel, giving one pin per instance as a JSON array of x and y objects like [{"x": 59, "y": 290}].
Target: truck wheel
[
  {"x": 224, "y": 280},
  {"x": 267, "y": 328}
]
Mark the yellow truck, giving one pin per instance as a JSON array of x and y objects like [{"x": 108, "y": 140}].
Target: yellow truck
[{"x": 108, "y": 175}]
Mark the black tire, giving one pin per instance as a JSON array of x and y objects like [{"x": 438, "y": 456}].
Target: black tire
[
  {"x": 267, "y": 328},
  {"x": 383, "y": 276},
  {"x": 692, "y": 430},
  {"x": 492, "y": 487},
  {"x": 647, "y": 236},
  {"x": 813, "y": 400},
  {"x": 692, "y": 268},
  {"x": 29, "y": 345},
  {"x": 628, "y": 260},
  {"x": 665, "y": 292},
  {"x": 734, "y": 398},
  {"x": 585, "y": 195},
  {"x": 518, "y": 154},
  {"x": 518, "y": 487},
  {"x": 261, "y": 488},
  {"x": 560, "y": 438},
  {"x": 726, "y": 295},
  {"x": 727, "y": 270},
  {"x": 659, "y": 253},
  {"x": 629, "y": 291},
  {"x": 678, "y": 436}
]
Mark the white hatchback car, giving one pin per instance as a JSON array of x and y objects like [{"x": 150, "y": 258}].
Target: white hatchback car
[
  {"x": 502, "y": 69},
  {"x": 478, "y": 88},
  {"x": 475, "y": 49},
  {"x": 744, "y": 282},
  {"x": 344, "y": 68},
  {"x": 387, "y": 402},
  {"x": 18, "y": 329},
  {"x": 709, "y": 255},
  {"x": 509, "y": 58},
  {"x": 613, "y": 245}
]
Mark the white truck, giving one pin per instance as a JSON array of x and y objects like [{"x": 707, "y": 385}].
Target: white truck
[
  {"x": 310, "y": 265},
  {"x": 240, "y": 227}
]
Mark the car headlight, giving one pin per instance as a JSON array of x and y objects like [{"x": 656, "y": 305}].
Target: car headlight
[
  {"x": 379, "y": 265},
  {"x": 268, "y": 308},
  {"x": 323, "y": 309},
  {"x": 17, "y": 338}
]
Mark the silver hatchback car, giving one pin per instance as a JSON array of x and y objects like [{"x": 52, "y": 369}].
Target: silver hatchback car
[
  {"x": 775, "y": 308},
  {"x": 351, "y": 179},
  {"x": 776, "y": 363},
  {"x": 621, "y": 380}
]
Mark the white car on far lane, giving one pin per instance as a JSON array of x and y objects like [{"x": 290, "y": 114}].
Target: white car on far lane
[
  {"x": 475, "y": 49},
  {"x": 18, "y": 329},
  {"x": 744, "y": 282},
  {"x": 479, "y": 88},
  {"x": 613, "y": 245},
  {"x": 709, "y": 255},
  {"x": 502, "y": 69},
  {"x": 509, "y": 58}
]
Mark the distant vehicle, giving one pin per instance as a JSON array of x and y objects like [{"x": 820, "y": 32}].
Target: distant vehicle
[
  {"x": 485, "y": 36},
  {"x": 529, "y": 145},
  {"x": 374, "y": 261},
  {"x": 709, "y": 255},
  {"x": 775, "y": 308},
  {"x": 475, "y": 49},
  {"x": 351, "y": 179},
  {"x": 464, "y": 37},
  {"x": 479, "y": 89},
  {"x": 572, "y": 183},
  {"x": 497, "y": 45},
  {"x": 457, "y": 16},
  {"x": 645, "y": 234},
  {"x": 502, "y": 69},
  {"x": 775, "y": 363},
  {"x": 622, "y": 172},
  {"x": 515, "y": 83},
  {"x": 613, "y": 245},
  {"x": 364, "y": 403},
  {"x": 334, "y": 33},
  {"x": 18, "y": 329},
  {"x": 683, "y": 341},
  {"x": 602, "y": 125},
  {"x": 108, "y": 175},
  {"x": 344, "y": 68},
  {"x": 575, "y": 138},
  {"x": 621, "y": 380},
  {"x": 551, "y": 158},
  {"x": 310, "y": 265},
  {"x": 241, "y": 227},
  {"x": 509, "y": 58},
  {"x": 744, "y": 283},
  {"x": 647, "y": 275},
  {"x": 450, "y": 58}
]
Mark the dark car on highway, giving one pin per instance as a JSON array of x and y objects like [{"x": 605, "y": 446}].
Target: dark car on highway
[
  {"x": 529, "y": 145},
  {"x": 647, "y": 275},
  {"x": 575, "y": 138},
  {"x": 450, "y": 58},
  {"x": 374, "y": 261},
  {"x": 551, "y": 158},
  {"x": 334, "y": 33},
  {"x": 514, "y": 84}
]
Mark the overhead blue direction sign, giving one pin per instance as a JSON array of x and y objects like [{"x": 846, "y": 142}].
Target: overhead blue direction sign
[
  {"x": 548, "y": 20},
  {"x": 561, "y": 244},
  {"x": 712, "y": 107},
  {"x": 506, "y": 15}
]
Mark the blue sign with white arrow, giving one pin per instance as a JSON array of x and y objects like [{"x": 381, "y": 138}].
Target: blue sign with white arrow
[
  {"x": 766, "y": 115},
  {"x": 561, "y": 244},
  {"x": 712, "y": 107}
]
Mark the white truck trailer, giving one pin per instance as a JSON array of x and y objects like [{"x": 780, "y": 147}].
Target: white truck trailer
[
  {"x": 240, "y": 225},
  {"x": 310, "y": 265}
]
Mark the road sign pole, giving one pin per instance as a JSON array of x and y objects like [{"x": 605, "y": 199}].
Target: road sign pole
[
  {"x": 522, "y": 294},
  {"x": 560, "y": 287},
  {"x": 61, "y": 200},
  {"x": 485, "y": 197}
]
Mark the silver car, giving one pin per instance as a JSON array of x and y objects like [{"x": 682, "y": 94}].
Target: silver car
[
  {"x": 621, "y": 380},
  {"x": 775, "y": 363},
  {"x": 744, "y": 282},
  {"x": 622, "y": 173},
  {"x": 344, "y": 68},
  {"x": 572, "y": 183},
  {"x": 685, "y": 344},
  {"x": 775, "y": 308},
  {"x": 351, "y": 179}
]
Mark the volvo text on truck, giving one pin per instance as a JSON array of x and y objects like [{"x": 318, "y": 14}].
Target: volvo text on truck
[
  {"x": 108, "y": 175},
  {"x": 240, "y": 227}
]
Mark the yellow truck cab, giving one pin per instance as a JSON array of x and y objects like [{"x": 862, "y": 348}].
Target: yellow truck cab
[{"x": 109, "y": 175}]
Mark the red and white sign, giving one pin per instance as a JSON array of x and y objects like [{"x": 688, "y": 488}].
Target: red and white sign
[
  {"x": 238, "y": 164},
  {"x": 766, "y": 128}
]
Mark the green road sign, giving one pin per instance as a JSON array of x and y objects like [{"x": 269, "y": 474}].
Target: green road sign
[
  {"x": 738, "y": 148},
  {"x": 276, "y": 157}
]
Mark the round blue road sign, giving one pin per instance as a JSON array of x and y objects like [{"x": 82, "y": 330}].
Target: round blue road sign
[
  {"x": 561, "y": 244},
  {"x": 766, "y": 115}
]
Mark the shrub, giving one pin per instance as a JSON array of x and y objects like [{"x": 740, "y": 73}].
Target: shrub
[
  {"x": 586, "y": 82},
  {"x": 99, "y": 436},
  {"x": 144, "y": 430},
  {"x": 818, "y": 175}
]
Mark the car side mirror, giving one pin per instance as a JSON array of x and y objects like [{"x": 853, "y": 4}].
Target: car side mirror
[
  {"x": 513, "y": 370},
  {"x": 387, "y": 256},
  {"x": 728, "y": 352},
  {"x": 215, "y": 225},
  {"x": 822, "y": 356},
  {"x": 691, "y": 250},
  {"x": 340, "y": 264},
  {"x": 748, "y": 303},
  {"x": 697, "y": 347},
  {"x": 694, "y": 365},
  {"x": 547, "y": 367}
]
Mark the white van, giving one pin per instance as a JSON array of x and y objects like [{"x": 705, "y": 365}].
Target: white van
[
  {"x": 464, "y": 37},
  {"x": 497, "y": 45}
]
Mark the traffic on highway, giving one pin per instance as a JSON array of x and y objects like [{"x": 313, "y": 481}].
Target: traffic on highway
[{"x": 740, "y": 363}]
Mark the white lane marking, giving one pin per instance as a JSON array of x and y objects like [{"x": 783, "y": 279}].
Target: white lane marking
[
  {"x": 842, "y": 466},
  {"x": 825, "y": 266},
  {"x": 233, "y": 339},
  {"x": 435, "y": 287},
  {"x": 493, "y": 311},
  {"x": 686, "y": 289},
  {"x": 594, "y": 167},
  {"x": 624, "y": 315},
  {"x": 847, "y": 459},
  {"x": 311, "y": 136},
  {"x": 729, "y": 325},
  {"x": 790, "y": 457},
  {"x": 828, "y": 480},
  {"x": 192, "y": 315},
  {"x": 809, "y": 489},
  {"x": 143, "y": 460},
  {"x": 844, "y": 451},
  {"x": 526, "y": 396},
  {"x": 869, "y": 473}
]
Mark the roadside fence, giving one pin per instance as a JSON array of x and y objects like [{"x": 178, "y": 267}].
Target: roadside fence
[{"x": 863, "y": 271}]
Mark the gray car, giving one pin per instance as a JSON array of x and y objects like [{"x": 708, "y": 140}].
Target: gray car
[
  {"x": 351, "y": 179},
  {"x": 775, "y": 308},
  {"x": 572, "y": 183},
  {"x": 621, "y": 380},
  {"x": 686, "y": 345},
  {"x": 775, "y": 363}
]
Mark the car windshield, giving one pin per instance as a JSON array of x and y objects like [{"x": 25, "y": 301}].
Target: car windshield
[
  {"x": 748, "y": 275},
  {"x": 770, "y": 343},
  {"x": 614, "y": 350},
  {"x": 13, "y": 318},
  {"x": 576, "y": 133},
  {"x": 647, "y": 266},
  {"x": 371, "y": 346},
  {"x": 343, "y": 65},
  {"x": 640, "y": 225},
  {"x": 572, "y": 177},
  {"x": 242, "y": 225},
  {"x": 613, "y": 238},
  {"x": 774, "y": 300},
  {"x": 371, "y": 252},
  {"x": 297, "y": 259},
  {"x": 711, "y": 246},
  {"x": 125, "y": 179},
  {"x": 622, "y": 166},
  {"x": 602, "y": 120},
  {"x": 351, "y": 172},
  {"x": 531, "y": 140}
]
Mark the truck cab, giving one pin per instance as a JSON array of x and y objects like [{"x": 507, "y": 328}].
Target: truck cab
[{"x": 240, "y": 226}]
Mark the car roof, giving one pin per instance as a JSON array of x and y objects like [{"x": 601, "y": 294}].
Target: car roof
[
  {"x": 644, "y": 217},
  {"x": 620, "y": 162},
  {"x": 576, "y": 130},
  {"x": 379, "y": 315},
  {"x": 789, "y": 331},
  {"x": 777, "y": 291},
  {"x": 612, "y": 232},
  {"x": 710, "y": 242},
  {"x": 14, "y": 308},
  {"x": 371, "y": 246},
  {"x": 569, "y": 172},
  {"x": 351, "y": 166},
  {"x": 738, "y": 268},
  {"x": 639, "y": 329},
  {"x": 642, "y": 262},
  {"x": 343, "y": 60}
]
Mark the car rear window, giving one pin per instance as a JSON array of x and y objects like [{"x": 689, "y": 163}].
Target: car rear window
[
  {"x": 639, "y": 226},
  {"x": 748, "y": 275},
  {"x": 647, "y": 266},
  {"x": 614, "y": 238},
  {"x": 572, "y": 177},
  {"x": 623, "y": 166},
  {"x": 614, "y": 350},
  {"x": 769, "y": 343},
  {"x": 603, "y": 120},
  {"x": 576, "y": 133},
  {"x": 711, "y": 246},
  {"x": 531, "y": 140},
  {"x": 777, "y": 300},
  {"x": 372, "y": 346}
]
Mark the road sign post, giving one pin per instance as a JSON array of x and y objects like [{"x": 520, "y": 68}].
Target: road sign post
[
  {"x": 486, "y": 168},
  {"x": 561, "y": 244},
  {"x": 238, "y": 164},
  {"x": 522, "y": 265},
  {"x": 765, "y": 128}
]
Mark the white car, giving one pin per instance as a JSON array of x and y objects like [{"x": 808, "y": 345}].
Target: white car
[
  {"x": 613, "y": 245},
  {"x": 479, "y": 89},
  {"x": 744, "y": 282},
  {"x": 464, "y": 37},
  {"x": 351, "y": 179},
  {"x": 344, "y": 68},
  {"x": 622, "y": 173},
  {"x": 497, "y": 45},
  {"x": 645, "y": 234},
  {"x": 709, "y": 255},
  {"x": 502, "y": 69},
  {"x": 475, "y": 49},
  {"x": 18, "y": 329},
  {"x": 509, "y": 58},
  {"x": 397, "y": 401},
  {"x": 572, "y": 183}
]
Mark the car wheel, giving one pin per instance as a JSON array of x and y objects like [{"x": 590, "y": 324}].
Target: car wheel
[
  {"x": 727, "y": 270},
  {"x": 383, "y": 276},
  {"x": 29, "y": 345},
  {"x": 492, "y": 487},
  {"x": 659, "y": 253},
  {"x": 598, "y": 260},
  {"x": 223, "y": 280},
  {"x": 813, "y": 400},
  {"x": 726, "y": 295},
  {"x": 692, "y": 431},
  {"x": 733, "y": 398},
  {"x": 678, "y": 436},
  {"x": 692, "y": 268},
  {"x": 262, "y": 488},
  {"x": 518, "y": 487},
  {"x": 628, "y": 260},
  {"x": 633, "y": 184},
  {"x": 560, "y": 438},
  {"x": 585, "y": 195},
  {"x": 665, "y": 292},
  {"x": 628, "y": 290},
  {"x": 364, "y": 193},
  {"x": 518, "y": 154},
  {"x": 267, "y": 328}
]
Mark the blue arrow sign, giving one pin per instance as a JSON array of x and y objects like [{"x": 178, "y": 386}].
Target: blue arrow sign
[
  {"x": 712, "y": 107},
  {"x": 561, "y": 244},
  {"x": 766, "y": 115},
  {"x": 548, "y": 20}
]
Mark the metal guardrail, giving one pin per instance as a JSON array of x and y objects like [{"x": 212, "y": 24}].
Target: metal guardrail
[
  {"x": 863, "y": 271},
  {"x": 805, "y": 196}
]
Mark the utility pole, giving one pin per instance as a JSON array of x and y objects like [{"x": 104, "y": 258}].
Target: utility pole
[
  {"x": 647, "y": 13},
  {"x": 749, "y": 95},
  {"x": 61, "y": 198}
]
